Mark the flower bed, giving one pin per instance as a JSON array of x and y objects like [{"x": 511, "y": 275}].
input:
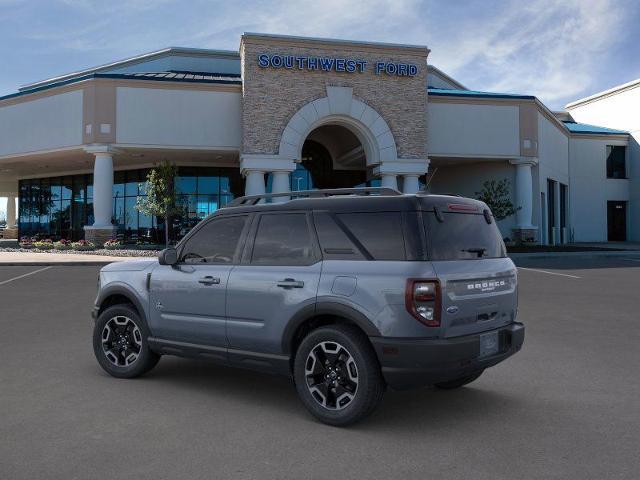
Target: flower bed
[
  {"x": 83, "y": 245},
  {"x": 97, "y": 252},
  {"x": 62, "y": 245},
  {"x": 43, "y": 244},
  {"x": 113, "y": 245}
]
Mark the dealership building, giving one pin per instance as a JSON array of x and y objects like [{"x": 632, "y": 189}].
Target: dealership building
[{"x": 289, "y": 113}]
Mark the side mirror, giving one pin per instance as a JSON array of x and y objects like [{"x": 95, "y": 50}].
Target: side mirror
[{"x": 168, "y": 256}]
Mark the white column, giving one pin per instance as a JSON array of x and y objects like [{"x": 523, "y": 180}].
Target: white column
[
  {"x": 11, "y": 212},
  {"x": 389, "y": 181},
  {"x": 103, "y": 189},
  {"x": 254, "y": 182},
  {"x": 280, "y": 184},
  {"x": 410, "y": 184},
  {"x": 524, "y": 193}
]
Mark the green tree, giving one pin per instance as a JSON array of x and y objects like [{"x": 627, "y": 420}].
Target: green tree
[
  {"x": 497, "y": 196},
  {"x": 160, "y": 199}
]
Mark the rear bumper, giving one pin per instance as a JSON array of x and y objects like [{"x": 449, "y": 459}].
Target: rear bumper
[{"x": 411, "y": 363}]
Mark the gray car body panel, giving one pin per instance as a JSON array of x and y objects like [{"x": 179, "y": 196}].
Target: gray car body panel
[{"x": 246, "y": 317}]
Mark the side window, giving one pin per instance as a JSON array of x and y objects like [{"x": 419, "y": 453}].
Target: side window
[
  {"x": 616, "y": 167},
  {"x": 334, "y": 242},
  {"x": 283, "y": 239},
  {"x": 379, "y": 233},
  {"x": 215, "y": 242}
]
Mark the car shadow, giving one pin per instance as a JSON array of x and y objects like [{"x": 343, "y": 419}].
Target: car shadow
[{"x": 399, "y": 409}]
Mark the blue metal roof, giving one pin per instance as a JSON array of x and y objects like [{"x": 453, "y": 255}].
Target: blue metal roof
[
  {"x": 575, "y": 127},
  {"x": 188, "y": 77},
  {"x": 444, "y": 92}
]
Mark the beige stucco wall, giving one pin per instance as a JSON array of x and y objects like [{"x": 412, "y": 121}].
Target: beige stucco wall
[
  {"x": 272, "y": 96},
  {"x": 467, "y": 178},
  {"x": 619, "y": 110},
  {"x": 460, "y": 129},
  {"x": 590, "y": 189},
  {"x": 45, "y": 123},
  {"x": 178, "y": 117}
]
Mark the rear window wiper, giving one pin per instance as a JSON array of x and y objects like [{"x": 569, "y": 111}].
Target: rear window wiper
[{"x": 479, "y": 251}]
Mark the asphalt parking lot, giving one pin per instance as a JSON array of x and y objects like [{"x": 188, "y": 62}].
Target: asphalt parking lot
[{"x": 567, "y": 406}]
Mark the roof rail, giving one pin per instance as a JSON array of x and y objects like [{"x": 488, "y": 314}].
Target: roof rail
[{"x": 254, "y": 199}]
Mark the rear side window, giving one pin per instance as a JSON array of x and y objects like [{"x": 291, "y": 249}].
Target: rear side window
[
  {"x": 283, "y": 239},
  {"x": 462, "y": 236},
  {"x": 379, "y": 233},
  {"x": 335, "y": 241}
]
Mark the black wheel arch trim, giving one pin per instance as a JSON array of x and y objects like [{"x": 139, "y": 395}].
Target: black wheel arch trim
[
  {"x": 326, "y": 308},
  {"x": 122, "y": 290}
]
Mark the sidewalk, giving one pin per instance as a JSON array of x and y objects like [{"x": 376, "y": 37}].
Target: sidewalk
[
  {"x": 635, "y": 254},
  {"x": 616, "y": 249},
  {"x": 36, "y": 259}
]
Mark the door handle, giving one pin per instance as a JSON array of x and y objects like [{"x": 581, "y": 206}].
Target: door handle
[
  {"x": 209, "y": 280},
  {"x": 291, "y": 283}
]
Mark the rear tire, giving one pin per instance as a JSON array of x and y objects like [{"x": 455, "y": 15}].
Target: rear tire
[
  {"x": 120, "y": 342},
  {"x": 337, "y": 375},
  {"x": 459, "y": 382}
]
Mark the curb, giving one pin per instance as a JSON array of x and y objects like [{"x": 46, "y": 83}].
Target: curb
[
  {"x": 592, "y": 254},
  {"x": 56, "y": 264}
]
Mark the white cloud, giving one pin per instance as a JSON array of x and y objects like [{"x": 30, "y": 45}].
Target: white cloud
[{"x": 547, "y": 48}]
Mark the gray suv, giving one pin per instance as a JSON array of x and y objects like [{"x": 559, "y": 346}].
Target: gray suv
[{"x": 347, "y": 291}]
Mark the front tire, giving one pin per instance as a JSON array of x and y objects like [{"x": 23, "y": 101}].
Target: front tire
[
  {"x": 120, "y": 342},
  {"x": 337, "y": 375}
]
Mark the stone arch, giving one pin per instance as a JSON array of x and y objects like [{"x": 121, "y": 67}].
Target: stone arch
[{"x": 339, "y": 107}]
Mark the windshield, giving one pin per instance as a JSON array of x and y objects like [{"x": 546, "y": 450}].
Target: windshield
[{"x": 462, "y": 236}]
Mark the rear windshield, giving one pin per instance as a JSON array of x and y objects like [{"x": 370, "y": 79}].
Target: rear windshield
[{"x": 462, "y": 236}]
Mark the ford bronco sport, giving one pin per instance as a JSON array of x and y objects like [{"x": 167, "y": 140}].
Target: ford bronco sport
[{"x": 347, "y": 291}]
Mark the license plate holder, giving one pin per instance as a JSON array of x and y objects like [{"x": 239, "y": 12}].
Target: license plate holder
[{"x": 489, "y": 344}]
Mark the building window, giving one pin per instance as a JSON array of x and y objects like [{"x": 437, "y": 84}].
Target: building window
[
  {"x": 60, "y": 207},
  {"x": 616, "y": 164}
]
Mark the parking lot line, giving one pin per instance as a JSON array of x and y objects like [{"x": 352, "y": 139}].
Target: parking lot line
[
  {"x": 550, "y": 273},
  {"x": 25, "y": 275}
]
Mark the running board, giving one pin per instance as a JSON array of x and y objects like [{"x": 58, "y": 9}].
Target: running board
[{"x": 269, "y": 362}]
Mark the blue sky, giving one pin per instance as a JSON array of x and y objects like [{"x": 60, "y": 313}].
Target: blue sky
[{"x": 556, "y": 50}]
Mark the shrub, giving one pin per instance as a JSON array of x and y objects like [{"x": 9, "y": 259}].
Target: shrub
[
  {"x": 46, "y": 244},
  {"x": 83, "y": 245},
  {"x": 26, "y": 242},
  {"x": 62, "y": 245},
  {"x": 113, "y": 244}
]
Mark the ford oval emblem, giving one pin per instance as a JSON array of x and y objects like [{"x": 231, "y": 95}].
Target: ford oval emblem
[{"x": 452, "y": 309}]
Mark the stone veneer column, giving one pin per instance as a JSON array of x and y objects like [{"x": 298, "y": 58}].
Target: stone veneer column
[
  {"x": 102, "y": 228},
  {"x": 524, "y": 229}
]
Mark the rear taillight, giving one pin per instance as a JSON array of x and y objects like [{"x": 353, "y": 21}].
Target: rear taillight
[{"x": 422, "y": 298}]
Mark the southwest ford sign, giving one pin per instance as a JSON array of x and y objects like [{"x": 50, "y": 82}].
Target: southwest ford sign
[{"x": 334, "y": 64}]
